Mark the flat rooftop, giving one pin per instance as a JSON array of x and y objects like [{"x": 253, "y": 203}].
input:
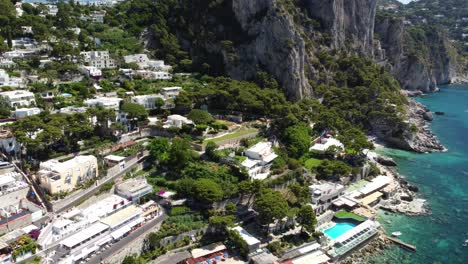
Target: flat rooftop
[
  {"x": 133, "y": 185},
  {"x": 105, "y": 206},
  {"x": 207, "y": 250},
  {"x": 83, "y": 235},
  {"x": 122, "y": 216},
  {"x": 114, "y": 158},
  {"x": 248, "y": 238}
]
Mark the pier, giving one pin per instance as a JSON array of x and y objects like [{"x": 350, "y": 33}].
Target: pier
[{"x": 401, "y": 243}]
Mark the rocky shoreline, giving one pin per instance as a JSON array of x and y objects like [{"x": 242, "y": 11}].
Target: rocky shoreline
[
  {"x": 405, "y": 199},
  {"x": 423, "y": 141},
  {"x": 367, "y": 251}
]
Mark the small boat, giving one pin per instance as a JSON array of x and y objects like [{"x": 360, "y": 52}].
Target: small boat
[
  {"x": 466, "y": 243},
  {"x": 396, "y": 234}
]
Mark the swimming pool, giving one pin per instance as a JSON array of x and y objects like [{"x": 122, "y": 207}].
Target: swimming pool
[{"x": 339, "y": 229}]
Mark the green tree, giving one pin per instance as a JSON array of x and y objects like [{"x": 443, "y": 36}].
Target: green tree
[
  {"x": 135, "y": 113},
  {"x": 184, "y": 187},
  {"x": 207, "y": 191},
  {"x": 306, "y": 218},
  {"x": 331, "y": 168},
  {"x": 210, "y": 150},
  {"x": 159, "y": 149},
  {"x": 238, "y": 243},
  {"x": 200, "y": 117},
  {"x": 181, "y": 153},
  {"x": 270, "y": 206},
  {"x": 298, "y": 140},
  {"x": 103, "y": 117},
  {"x": 183, "y": 103},
  {"x": 5, "y": 110}
]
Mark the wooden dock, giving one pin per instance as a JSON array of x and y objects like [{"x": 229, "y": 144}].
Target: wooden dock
[{"x": 401, "y": 243}]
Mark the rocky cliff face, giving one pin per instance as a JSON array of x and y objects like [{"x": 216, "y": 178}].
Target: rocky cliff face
[
  {"x": 350, "y": 22},
  {"x": 418, "y": 65},
  {"x": 276, "y": 45},
  {"x": 281, "y": 44}
]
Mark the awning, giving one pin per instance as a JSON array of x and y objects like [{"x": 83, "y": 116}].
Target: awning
[
  {"x": 88, "y": 251},
  {"x": 120, "y": 232},
  {"x": 103, "y": 241},
  {"x": 77, "y": 257}
]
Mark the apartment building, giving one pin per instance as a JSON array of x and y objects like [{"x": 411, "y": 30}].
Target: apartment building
[{"x": 56, "y": 176}]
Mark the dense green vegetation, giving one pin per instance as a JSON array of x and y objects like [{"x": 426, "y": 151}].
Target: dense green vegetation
[{"x": 350, "y": 92}]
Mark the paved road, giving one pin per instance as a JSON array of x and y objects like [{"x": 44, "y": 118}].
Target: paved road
[{"x": 126, "y": 240}]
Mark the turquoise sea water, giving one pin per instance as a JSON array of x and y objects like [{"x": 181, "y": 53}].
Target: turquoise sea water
[
  {"x": 339, "y": 229},
  {"x": 443, "y": 182}
]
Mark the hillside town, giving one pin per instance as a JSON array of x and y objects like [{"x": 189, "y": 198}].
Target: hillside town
[{"x": 111, "y": 154}]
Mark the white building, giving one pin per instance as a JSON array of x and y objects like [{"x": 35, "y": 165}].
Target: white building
[
  {"x": 13, "y": 188},
  {"x": 105, "y": 102},
  {"x": 14, "y": 54},
  {"x": 259, "y": 160},
  {"x": 56, "y": 176},
  {"x": 19, "y": 98},
  {"x": 252, "y": 242},
  {"x": 24, "y": 43},
  {"x": 91, "y": 71},
  {"x": 6, "y": 63},
  {"x": 171, "y": 92},
  {"x": 145, "y": 63},
  {"x": 75, "y": 30},
  {"x": 8, "y": 143},
  {"x": 323, "y": 194},
  {"x": 177, "y": 121},
  {"x": 98, "y": 59},
  {"x": 72, "y": 110},
  {"x": 133, "y": 189},
  {"x": 97, "y": 16},
  {"x": 323, "y": 143},
  {"x": 24, "y": 112},
  {"x": 377, "y": 184},
  {"x": 147, "y": 101},
  {"x": 153, "y": 75},
  {"x": 52, "y": 10},
  {"x": 6, "y": 80}
]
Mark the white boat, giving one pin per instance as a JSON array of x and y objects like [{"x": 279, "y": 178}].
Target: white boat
[
  {"x": 396, "y": 234},
  {"x": 466, "y": 243}
]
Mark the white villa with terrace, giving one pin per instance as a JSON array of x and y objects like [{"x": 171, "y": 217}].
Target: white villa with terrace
[
  {"x": 259, "y": 160},
  {"x": 177, "y": 121},
  {"x": 145, "y": 63},
  {"x": 322, "y": 144},
  {"x": 19, "y": 98},
  {"x": 323, "y": 194}
]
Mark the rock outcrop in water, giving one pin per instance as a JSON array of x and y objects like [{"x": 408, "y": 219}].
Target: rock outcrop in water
[{"x": 413, "y": 134}]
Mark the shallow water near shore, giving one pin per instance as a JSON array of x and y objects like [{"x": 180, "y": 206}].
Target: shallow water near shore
[{"x": 443, "y": 181}]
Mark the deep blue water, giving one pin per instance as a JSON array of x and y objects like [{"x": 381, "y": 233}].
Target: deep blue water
[
  {"x": 443, "y": 182},
  {"x": 339, "y": 229}
]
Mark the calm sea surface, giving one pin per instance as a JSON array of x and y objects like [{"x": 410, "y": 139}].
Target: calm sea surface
[{"x": 443, "y": 181}]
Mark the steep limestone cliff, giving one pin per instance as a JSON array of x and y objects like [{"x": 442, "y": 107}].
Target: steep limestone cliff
[
  {"x": 276, "y": 45},
  {"x": 420, "y": 58},
  {"x": 281, "y": 38},
  {"x": 350, "y": 22}
]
